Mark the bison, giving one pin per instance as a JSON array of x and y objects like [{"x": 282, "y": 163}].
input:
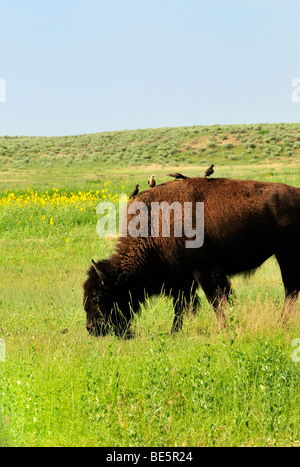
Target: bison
[{"x": 245, "y": 223}]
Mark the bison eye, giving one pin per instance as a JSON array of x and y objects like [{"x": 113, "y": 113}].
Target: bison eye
[{"x": 97, "y": 299}]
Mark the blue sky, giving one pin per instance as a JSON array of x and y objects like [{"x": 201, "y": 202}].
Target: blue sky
[{"x": 86, "y": 66}]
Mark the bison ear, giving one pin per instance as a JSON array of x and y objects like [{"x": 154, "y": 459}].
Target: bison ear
[
  {"x": 122, "y": 278},
  {"x": 101, "y": 274}
]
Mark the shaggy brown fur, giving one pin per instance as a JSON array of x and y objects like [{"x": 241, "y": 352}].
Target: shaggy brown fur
[{"x": 246, "y": 222}]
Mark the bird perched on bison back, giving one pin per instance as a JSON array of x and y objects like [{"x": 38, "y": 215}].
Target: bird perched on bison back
[
  {"x": 178, "y": 176},
  {"x": 135, "y": 192},
  {"x": 209, "y": 171},
  {"x": 152, "y": 182}
]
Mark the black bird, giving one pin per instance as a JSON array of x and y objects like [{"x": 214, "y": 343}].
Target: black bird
[
  {"x": 178, "y": 176},
  {"x": 135, "y": 191},
  {"x": 152, "y": 182},
  {"x": 209, "y": 171}
]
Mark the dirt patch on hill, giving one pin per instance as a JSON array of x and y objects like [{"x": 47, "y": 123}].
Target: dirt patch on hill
[{"x": 203, "y": 141}]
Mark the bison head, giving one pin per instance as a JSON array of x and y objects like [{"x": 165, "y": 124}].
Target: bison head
[{"x": 103, "y": 298}]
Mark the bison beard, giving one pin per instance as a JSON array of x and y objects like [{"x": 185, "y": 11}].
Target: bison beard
[{"x": 246, "y": 222}]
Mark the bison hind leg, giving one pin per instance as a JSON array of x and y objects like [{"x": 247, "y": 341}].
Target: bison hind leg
[{"x": 289, "y": 262}]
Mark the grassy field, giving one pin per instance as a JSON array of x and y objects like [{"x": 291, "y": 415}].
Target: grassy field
[{"x": 61, "y": 387}]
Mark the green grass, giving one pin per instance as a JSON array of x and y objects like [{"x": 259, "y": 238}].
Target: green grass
[{"x": 60, "y": 387}]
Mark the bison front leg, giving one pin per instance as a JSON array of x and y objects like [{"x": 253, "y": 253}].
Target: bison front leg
[
  {"x": 120, "y": 321},
  {"x": 180, "y": 302},
  {"x": 194, "y": 301},
  {"x": 179, "y": 307},
  {"x": 217, "y": 289},
  {"x": 184, "y": 300}
]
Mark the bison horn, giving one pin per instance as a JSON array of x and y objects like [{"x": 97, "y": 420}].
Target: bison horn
[{"x": 100, "y": 274}]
